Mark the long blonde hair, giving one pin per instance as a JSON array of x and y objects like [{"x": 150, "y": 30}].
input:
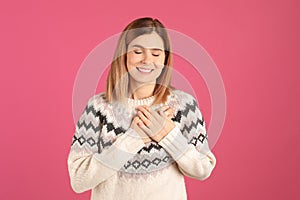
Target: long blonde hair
[{"x": 117, "y": 84}]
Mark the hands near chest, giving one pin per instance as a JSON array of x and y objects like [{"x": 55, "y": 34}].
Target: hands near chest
[{"x": 153, "y": 124}]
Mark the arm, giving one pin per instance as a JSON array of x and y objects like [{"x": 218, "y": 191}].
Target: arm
[
  {"x": 89, "y": 167},
  {"x": 191, "y": 152}
]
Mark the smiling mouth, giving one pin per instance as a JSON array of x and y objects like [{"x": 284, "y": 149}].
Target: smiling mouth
[{"x": 143, "y": 70}]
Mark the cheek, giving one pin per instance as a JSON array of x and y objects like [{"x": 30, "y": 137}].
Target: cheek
[
  {"x": 132, "y": 59},
  {"x": 130, "y": 62},
  {"x": 160, "y": 61}
]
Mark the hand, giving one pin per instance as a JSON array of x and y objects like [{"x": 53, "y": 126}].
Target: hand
[
  {"x": 156, "y": 123},
  {"x": 169, "y": 111},
  {"x": 135, "y": 126}
]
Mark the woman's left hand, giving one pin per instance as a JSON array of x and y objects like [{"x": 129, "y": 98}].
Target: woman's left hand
[{"x": 156, "y": 124}]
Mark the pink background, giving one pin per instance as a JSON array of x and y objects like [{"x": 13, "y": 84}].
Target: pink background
[{"x": 255, "y": 45}]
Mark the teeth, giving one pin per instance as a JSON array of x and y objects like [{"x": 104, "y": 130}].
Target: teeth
[{"x": 144, "y": 70}]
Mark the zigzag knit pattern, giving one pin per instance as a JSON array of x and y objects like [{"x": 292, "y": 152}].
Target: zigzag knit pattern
[{"x": 100, "y": 133}]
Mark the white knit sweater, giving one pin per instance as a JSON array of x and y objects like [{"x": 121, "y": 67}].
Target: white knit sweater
[{"x": 110, "y": 158}]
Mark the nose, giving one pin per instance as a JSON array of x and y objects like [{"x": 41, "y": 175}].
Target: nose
[{"x": 147, "y": 57}]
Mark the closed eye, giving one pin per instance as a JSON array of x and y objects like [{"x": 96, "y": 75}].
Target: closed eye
[{"x": 138, "y": 52}]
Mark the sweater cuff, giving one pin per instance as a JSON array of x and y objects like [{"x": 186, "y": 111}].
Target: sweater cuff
[
  {"x": 175, "y": 143},
  {"x": 123, "y": 149}
]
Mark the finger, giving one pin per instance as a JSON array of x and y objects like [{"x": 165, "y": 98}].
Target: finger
[
  {"x": 143, "y": 107},
  {"x": 165, "y": 108},
  {"x": 161, "y": 112},
  {"x": 144, "y": 128},
  {"x": 147, "y": 140},
  {"x": 163, "y": 117},
  {"x": 146, "y": 107},
  {"x": 169, "y": 111},
  {"x": 144, "y": 119},
  {"x": 145, "y": 112},
  {"x": 135, "y": 126},
  {"x": 170, "y": 116},
  {"x": 154, "y": 114},
  {"x": 136, "y": 120}
]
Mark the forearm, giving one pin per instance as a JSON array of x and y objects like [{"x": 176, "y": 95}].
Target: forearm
[
  {"x": 191, "y": 162},
  {"x": 88, "y": 169}
]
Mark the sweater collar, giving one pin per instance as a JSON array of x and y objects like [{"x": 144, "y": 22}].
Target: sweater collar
[{"x": 138, "y": 102}]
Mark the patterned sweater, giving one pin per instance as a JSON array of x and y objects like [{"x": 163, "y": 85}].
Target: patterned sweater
[{"x": 111, "y": 159}]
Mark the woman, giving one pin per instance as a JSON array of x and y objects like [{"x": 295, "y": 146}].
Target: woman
[{"x": 138, "y": 139}]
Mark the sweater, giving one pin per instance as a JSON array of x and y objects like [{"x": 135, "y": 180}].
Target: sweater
[{"x": 111, "y": 159}]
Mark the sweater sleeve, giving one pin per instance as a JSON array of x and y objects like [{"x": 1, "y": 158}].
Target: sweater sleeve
[
  {"x": 89, "y": 166},
  {"x": 189, "y": 145}
]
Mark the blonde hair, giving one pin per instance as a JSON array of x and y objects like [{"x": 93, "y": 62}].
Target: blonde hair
[{"x": 117, "y": 84}]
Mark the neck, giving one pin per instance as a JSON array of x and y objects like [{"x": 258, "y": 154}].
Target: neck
[{"x": 141, "y": 91}]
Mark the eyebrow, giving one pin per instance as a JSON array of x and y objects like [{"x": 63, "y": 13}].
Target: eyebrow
[{"x": 140, "y": 46}]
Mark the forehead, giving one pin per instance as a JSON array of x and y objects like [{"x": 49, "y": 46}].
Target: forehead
[{"x": 151, "y": 41}]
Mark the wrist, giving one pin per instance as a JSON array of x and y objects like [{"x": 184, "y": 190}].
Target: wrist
[
  {"x": 166, "y": 130},
  {"x": 169, "y": 127}
]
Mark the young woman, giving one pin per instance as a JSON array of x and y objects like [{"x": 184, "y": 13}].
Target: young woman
[{"x": 138, "y": 139}]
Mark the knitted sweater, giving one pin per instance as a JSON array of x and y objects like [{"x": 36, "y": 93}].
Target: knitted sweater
[{"x": 111, "y": 159}]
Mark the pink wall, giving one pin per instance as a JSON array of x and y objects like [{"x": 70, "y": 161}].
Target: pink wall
[{"x": 255, "y": 45}]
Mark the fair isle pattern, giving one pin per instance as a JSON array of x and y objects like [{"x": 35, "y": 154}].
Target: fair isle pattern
[{"x": 97, "y": 129}]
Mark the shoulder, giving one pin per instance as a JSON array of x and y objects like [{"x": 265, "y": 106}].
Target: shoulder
[
  {"x": 187, "y": 110},
  {"x": 98, "y": 101}
]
